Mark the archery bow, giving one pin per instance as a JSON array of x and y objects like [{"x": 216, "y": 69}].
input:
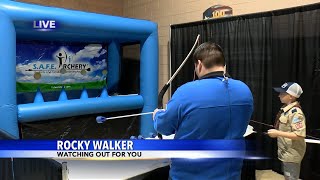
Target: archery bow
[{"x": 167, "y": 85}]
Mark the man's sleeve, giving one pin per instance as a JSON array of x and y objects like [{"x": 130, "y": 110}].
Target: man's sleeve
[
  {"x": 298, "y": 124},
  {"x": 167, "y": 121}
]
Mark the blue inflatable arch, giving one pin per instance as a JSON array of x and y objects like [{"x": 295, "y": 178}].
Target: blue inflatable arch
[{"x": 16, "y": 21}]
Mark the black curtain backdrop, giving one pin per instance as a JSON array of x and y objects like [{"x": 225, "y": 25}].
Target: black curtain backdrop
[
  {"x": 30, "y": 169},
  {"x": 264, "y": 50}
]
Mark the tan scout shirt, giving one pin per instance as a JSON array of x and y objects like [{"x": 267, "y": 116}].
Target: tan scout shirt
[{"x": 292, "y": 120}]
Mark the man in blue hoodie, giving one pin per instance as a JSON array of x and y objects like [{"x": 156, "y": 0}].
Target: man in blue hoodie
[{"x": 213, "y": 107}]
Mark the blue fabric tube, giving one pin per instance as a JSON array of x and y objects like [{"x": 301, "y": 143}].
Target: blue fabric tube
[
  {"x": 113, "y": 66},
  {"x": 149, "y": 80},
  {"x": 8, "y": 107},
  {"x": 17, "y": 20},
  {"x": 59, "y": 109}
]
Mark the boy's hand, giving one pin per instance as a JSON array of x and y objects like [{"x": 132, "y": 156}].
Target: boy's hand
[{"x": 273, "y": 133}]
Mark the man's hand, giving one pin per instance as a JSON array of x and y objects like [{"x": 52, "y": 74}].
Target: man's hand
[
  {"x": 155, "y": 111},
  {"x": 273, "y": 133}
]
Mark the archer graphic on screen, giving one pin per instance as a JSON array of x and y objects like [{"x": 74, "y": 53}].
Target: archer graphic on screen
[{"x": 60, "y": 57}]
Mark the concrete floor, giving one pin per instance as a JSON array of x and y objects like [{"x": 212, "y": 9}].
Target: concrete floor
[{"x": 268, "y": 175}]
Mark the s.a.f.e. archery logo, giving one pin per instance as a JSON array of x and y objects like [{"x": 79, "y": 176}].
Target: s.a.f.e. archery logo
[
  {"x": 63, "y": 63},
  {"x": 66, "y": 65}
]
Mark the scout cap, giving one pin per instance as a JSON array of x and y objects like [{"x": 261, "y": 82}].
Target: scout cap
[{"x": 292, "y": 88}]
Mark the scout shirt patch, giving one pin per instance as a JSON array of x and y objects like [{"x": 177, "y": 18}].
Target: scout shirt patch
[
  {"x": 294, "y": 110},
  {"x": 296, "y": 120},
  {"x": 299, "y": 125}
]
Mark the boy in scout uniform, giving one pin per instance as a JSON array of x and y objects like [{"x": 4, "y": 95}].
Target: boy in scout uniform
[{"x": 290, "y": 130}]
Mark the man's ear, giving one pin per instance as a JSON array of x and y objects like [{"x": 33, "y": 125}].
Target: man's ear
[{"x": 199, "y": 65}]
